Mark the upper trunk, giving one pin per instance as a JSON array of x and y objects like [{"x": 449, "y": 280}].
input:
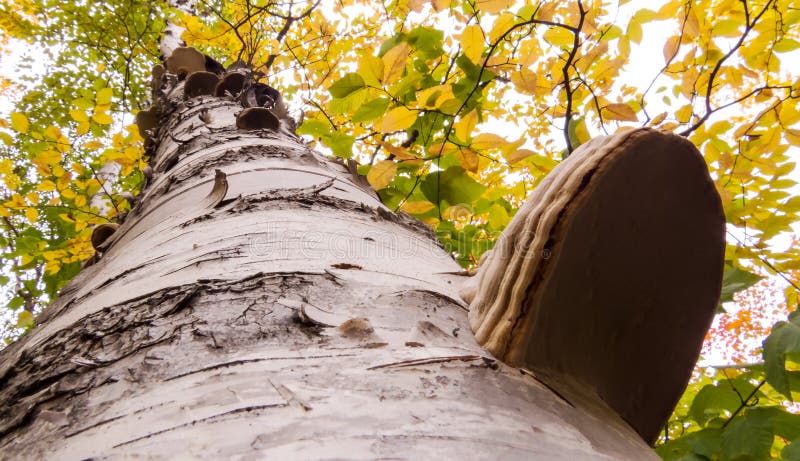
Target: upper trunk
[{"x": 297, "y": 318}]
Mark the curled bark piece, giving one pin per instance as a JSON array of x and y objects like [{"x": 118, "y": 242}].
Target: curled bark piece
[
  {"x": 101, "y": 234},
  {"x": 218, "y": 192},
  {"x": 358, "y": 329},
  {"x": 257, "y": 118},
  {"x": 606, "y": 280},
  {"x": 200, "y": 84},
  {"x": 187, "y": 60},
  {"x": 232, "y": 83}
]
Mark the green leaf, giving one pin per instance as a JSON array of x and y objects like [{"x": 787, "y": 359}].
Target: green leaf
[
  {"x": 15, "y": 303},
  {"x": 316, "y": 128},
  {"x": 700, "y": 445},
  {"x": 498, "y": 216},
  {"x": 791, "y": 452},
  {"x": 749, "y": 436},
  {"x": 453, "y": 186},
  {"x": 427, "y": 41},
  {"x": 735, "y": 280},
  {"x": 712, "y": 401},
  {"x": 346, "y": 85},
  {"x": 371, "y": 110},
  {"x": 783, "y": 341},
  {"x": 341, "y": 144}
]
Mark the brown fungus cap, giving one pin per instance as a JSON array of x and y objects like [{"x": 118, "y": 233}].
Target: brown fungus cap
[
  {"x": 607, "y": 279},
  {"x": 257, "y": 118},
  {"x": 200, "y": 84},
  {"x": 232, "y": 83},
  {"x": 187, "y": 60}
]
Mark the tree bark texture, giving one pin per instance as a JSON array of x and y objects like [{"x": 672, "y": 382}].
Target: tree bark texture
[{"x": 298, "y": 318}]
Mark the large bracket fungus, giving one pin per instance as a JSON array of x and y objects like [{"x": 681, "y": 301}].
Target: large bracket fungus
[{"x": 606, "y": 281}]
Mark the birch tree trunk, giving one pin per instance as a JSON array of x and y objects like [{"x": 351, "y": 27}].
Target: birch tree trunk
[{"x": 297, "y": 318}]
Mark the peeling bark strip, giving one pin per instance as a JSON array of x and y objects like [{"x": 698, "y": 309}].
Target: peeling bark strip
[
  {"x": 259, "y": 302},
  {"x": 607, "y": 279}
]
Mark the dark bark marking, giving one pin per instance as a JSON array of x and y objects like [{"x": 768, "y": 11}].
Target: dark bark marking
[
  {"x": 414, "y": 362},
  {"x": 234, "y": 363},
  {"x": 204, "y": 420}
]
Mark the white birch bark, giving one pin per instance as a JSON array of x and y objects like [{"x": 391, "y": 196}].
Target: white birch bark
[{"x": 298, "y": 319}]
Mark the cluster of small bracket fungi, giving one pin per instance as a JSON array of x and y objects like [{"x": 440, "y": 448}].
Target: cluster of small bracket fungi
[{"x": 200, "y": 75}]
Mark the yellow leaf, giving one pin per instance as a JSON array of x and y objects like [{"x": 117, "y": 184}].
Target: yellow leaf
[
  {"x": 104, "y": 96},
  {"x": 622, "y": 112},
  {"x": 558, "y": 36},
  {"x": 4, "y": 212},
  {"x": 370, "y": 68},
  {"x": 443, "y": 149},
  {"x": 440, "y": 5},
  {"x": 546, "y": 10},
  {"x": 658, "y": 119},
  {"x": 397, "y": 119},
  {"x": 102, "y": 118},
  {"x": 381, "y": 174},
  {"x": 25, "y": 318},
  {"x": 684, "y": 114},
  {"x": 394, "y": 63},
  {"x": 48, "y": 157},
  {"x": 691, "y": 25},
  {"x": 472, "y": 42},
  {"x": 519, "y": 154},
  {"x": 789, "y": 114},
  {"x": 493, "y": 6},
  {"x": 17, "y": 202},
  {"x": 464, "y": 126},
  {"x": 92, "y": 145},
  {"x": 52, "y": 267},
  {"x": 19, "y": 122},
  {"x": 12, "y": 181},
  {"x": 400, "y": 153},
  {"x": 671, "y": 48},
  {"x": 417, "y": 207},
  {"x": 469, "y": 159},
  {"x": 435, "y": 95},
  {"x": 83, "y": 127},
  {"x": 502, "y": 24},
  {"x": 525, "y": 80},
  {"x": 32, "y": 197},
  {"x": 46, "y": 186},
  {"x": 456, "y": 212},
  {"x": 52, "y": 132},
  {"x": 487, "y": 141},
  {"x": 634, "y": 31},
  {"x": 32, "y": 214}
]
